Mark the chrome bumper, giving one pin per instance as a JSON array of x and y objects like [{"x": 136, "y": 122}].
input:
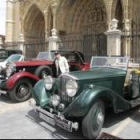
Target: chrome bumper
[
  {"x": 55, "y": 120},
  {"x": 3, "y": 92}
]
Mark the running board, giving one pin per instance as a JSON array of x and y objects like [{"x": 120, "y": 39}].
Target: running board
[{"x": 135, "y": 102}]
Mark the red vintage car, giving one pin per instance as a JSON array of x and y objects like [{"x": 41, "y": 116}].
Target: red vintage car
[{"x": 20, "y": 77}]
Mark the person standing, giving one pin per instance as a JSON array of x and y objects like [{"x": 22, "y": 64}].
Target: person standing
[{"x": 61, "y": 64}]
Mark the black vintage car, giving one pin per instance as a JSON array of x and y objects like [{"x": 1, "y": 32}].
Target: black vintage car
[{"x": 4, "y": 53}]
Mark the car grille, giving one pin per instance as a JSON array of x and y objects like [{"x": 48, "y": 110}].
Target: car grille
[{"x": 62, "y": 90}]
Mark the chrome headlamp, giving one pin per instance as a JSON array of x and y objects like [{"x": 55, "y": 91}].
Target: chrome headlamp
[
  {"x": 10, "y": 69},
  {"x": 71, "y": 88},
  {"x": 49, "y": 82},
  {"x": 55, "y": 100}
]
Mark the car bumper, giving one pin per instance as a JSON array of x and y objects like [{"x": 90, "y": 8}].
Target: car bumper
[
  {"x": 3, "y": 92},
  {"x": 2, "y": 86},
  {"x": 55, "y": 120}
]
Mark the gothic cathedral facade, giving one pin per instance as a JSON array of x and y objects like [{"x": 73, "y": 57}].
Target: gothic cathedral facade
[{"x": 33, "y": 20}]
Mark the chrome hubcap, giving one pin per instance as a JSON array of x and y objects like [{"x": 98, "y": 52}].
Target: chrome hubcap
[
  {"x": 23, "y": 91},
  {"x": 44, "y": 75},
  {"x": 100, "y": 118}
]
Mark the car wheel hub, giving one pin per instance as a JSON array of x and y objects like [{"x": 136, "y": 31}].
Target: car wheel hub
[
  {"x": 44, "y": 74},
  {"x": 23, "y": 90},
  {"x": 100, "y": 118}
]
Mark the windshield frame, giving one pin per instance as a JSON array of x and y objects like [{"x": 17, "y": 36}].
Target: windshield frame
[
  {"x": 49, "y": 54},
  {"x": 12, "y": 56},
  {"x": 121, "y": 66}
]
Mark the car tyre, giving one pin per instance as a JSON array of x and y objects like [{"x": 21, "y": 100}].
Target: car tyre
[
  {"x": 94, "y": 120},
  {"x": 22, "y": 91},
  {"x": 43, "y": 71}
]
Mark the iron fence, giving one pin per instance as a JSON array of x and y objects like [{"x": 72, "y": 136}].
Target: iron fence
[
  {"x": 89, "y": 45},
  {"x": 30, "y": 49},
  {"x": 131, "y": 42}
]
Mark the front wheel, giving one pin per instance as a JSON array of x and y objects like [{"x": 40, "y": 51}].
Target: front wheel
[
  {"x": 93, "y": 122},
  {"x": 22, "y": 91}
]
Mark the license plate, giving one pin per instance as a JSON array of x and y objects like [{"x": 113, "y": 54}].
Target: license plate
[
  {"x": 47, "y": 119},
  {"x": 66, "y": 125}
]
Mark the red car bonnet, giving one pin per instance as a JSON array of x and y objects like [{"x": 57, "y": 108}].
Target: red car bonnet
[{"x": 34, "y": 63}]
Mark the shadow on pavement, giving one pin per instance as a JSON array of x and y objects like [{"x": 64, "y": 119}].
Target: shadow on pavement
[
  {"x": 54, "y": 131},
  {"x": 112, "y": 118},
  {"x": 6, "y": 99}
]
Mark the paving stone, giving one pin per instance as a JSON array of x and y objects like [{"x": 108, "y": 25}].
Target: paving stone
[{"x": 19, "y": 121}]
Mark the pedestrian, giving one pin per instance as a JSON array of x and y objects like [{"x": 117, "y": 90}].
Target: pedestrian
[{"x": 61, "y": 64}]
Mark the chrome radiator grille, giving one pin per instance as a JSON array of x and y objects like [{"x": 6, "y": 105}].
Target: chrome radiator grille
[{"x": 62, "y": 90}]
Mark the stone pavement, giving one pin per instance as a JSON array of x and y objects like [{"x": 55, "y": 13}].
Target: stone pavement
[{"x": 19, "y": 121}]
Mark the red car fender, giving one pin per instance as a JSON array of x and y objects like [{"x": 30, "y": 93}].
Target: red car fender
[
  {"x": 86, "y": 66},
  {"x": 83, "y": 67},
  {"x": 11, "y": 82}
]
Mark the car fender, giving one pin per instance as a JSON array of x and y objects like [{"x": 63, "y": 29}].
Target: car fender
[
  {"x": 86, "y": 66},
  {"x": 82, "y": 103},
  {"x": 11, "y": 82},
  {"x": 40, "y": 95}
]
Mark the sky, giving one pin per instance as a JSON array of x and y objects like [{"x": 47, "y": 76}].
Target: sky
[{"x": 2, "y": 16}]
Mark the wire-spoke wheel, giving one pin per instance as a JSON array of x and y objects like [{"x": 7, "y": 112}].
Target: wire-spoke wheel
[
  {"x": 93, "y": 122},
  {"x": 22, "y": 91}
]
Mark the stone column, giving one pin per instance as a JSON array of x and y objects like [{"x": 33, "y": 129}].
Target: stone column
[
  {"x": 1, "y": 43},
  {"x": 108, "y": 4},
  {"x": 21, "y": 44},
  {"x": 113, "y": 39},
  {"x": 127, "y": 37},
  {"x": 54, "y": 9},
  {"x": 9, "y": 20},
  {"x": 53, "y": 41}
]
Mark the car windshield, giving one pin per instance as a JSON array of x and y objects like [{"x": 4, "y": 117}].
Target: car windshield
[
  {"x": 111, "y": 62},
  {"x": 13, "y": 58},
  {"x": 46, "y": 56}
]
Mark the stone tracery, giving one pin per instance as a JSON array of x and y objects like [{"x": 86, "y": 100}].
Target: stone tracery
[{"x": 82, "y": 14}]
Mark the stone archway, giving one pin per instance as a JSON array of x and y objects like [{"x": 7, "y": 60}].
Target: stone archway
[
  {"x": 34, "y": 25},
  {"x": 118, "y": 12},
  {"x": 34, "y": 32},
  {"x": 83, "y": 22},
  {"x": 83, "y": 16}
]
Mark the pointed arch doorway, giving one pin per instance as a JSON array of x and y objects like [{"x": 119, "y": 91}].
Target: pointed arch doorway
[
  {"x": 34, "y": 32},
  {"x": 84, "y": 23}
]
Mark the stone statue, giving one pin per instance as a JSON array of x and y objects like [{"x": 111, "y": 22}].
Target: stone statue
[{"x": 114, "y": 24}]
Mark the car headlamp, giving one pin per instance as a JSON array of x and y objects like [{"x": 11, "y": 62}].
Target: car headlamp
[
  {"x": 71, "y": 88},
  {"x": 49, "y": 82},
  {"x": 55, "y": 100}
]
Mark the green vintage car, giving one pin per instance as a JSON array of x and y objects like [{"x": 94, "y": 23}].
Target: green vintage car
[{"x": 82, "y": 97}]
